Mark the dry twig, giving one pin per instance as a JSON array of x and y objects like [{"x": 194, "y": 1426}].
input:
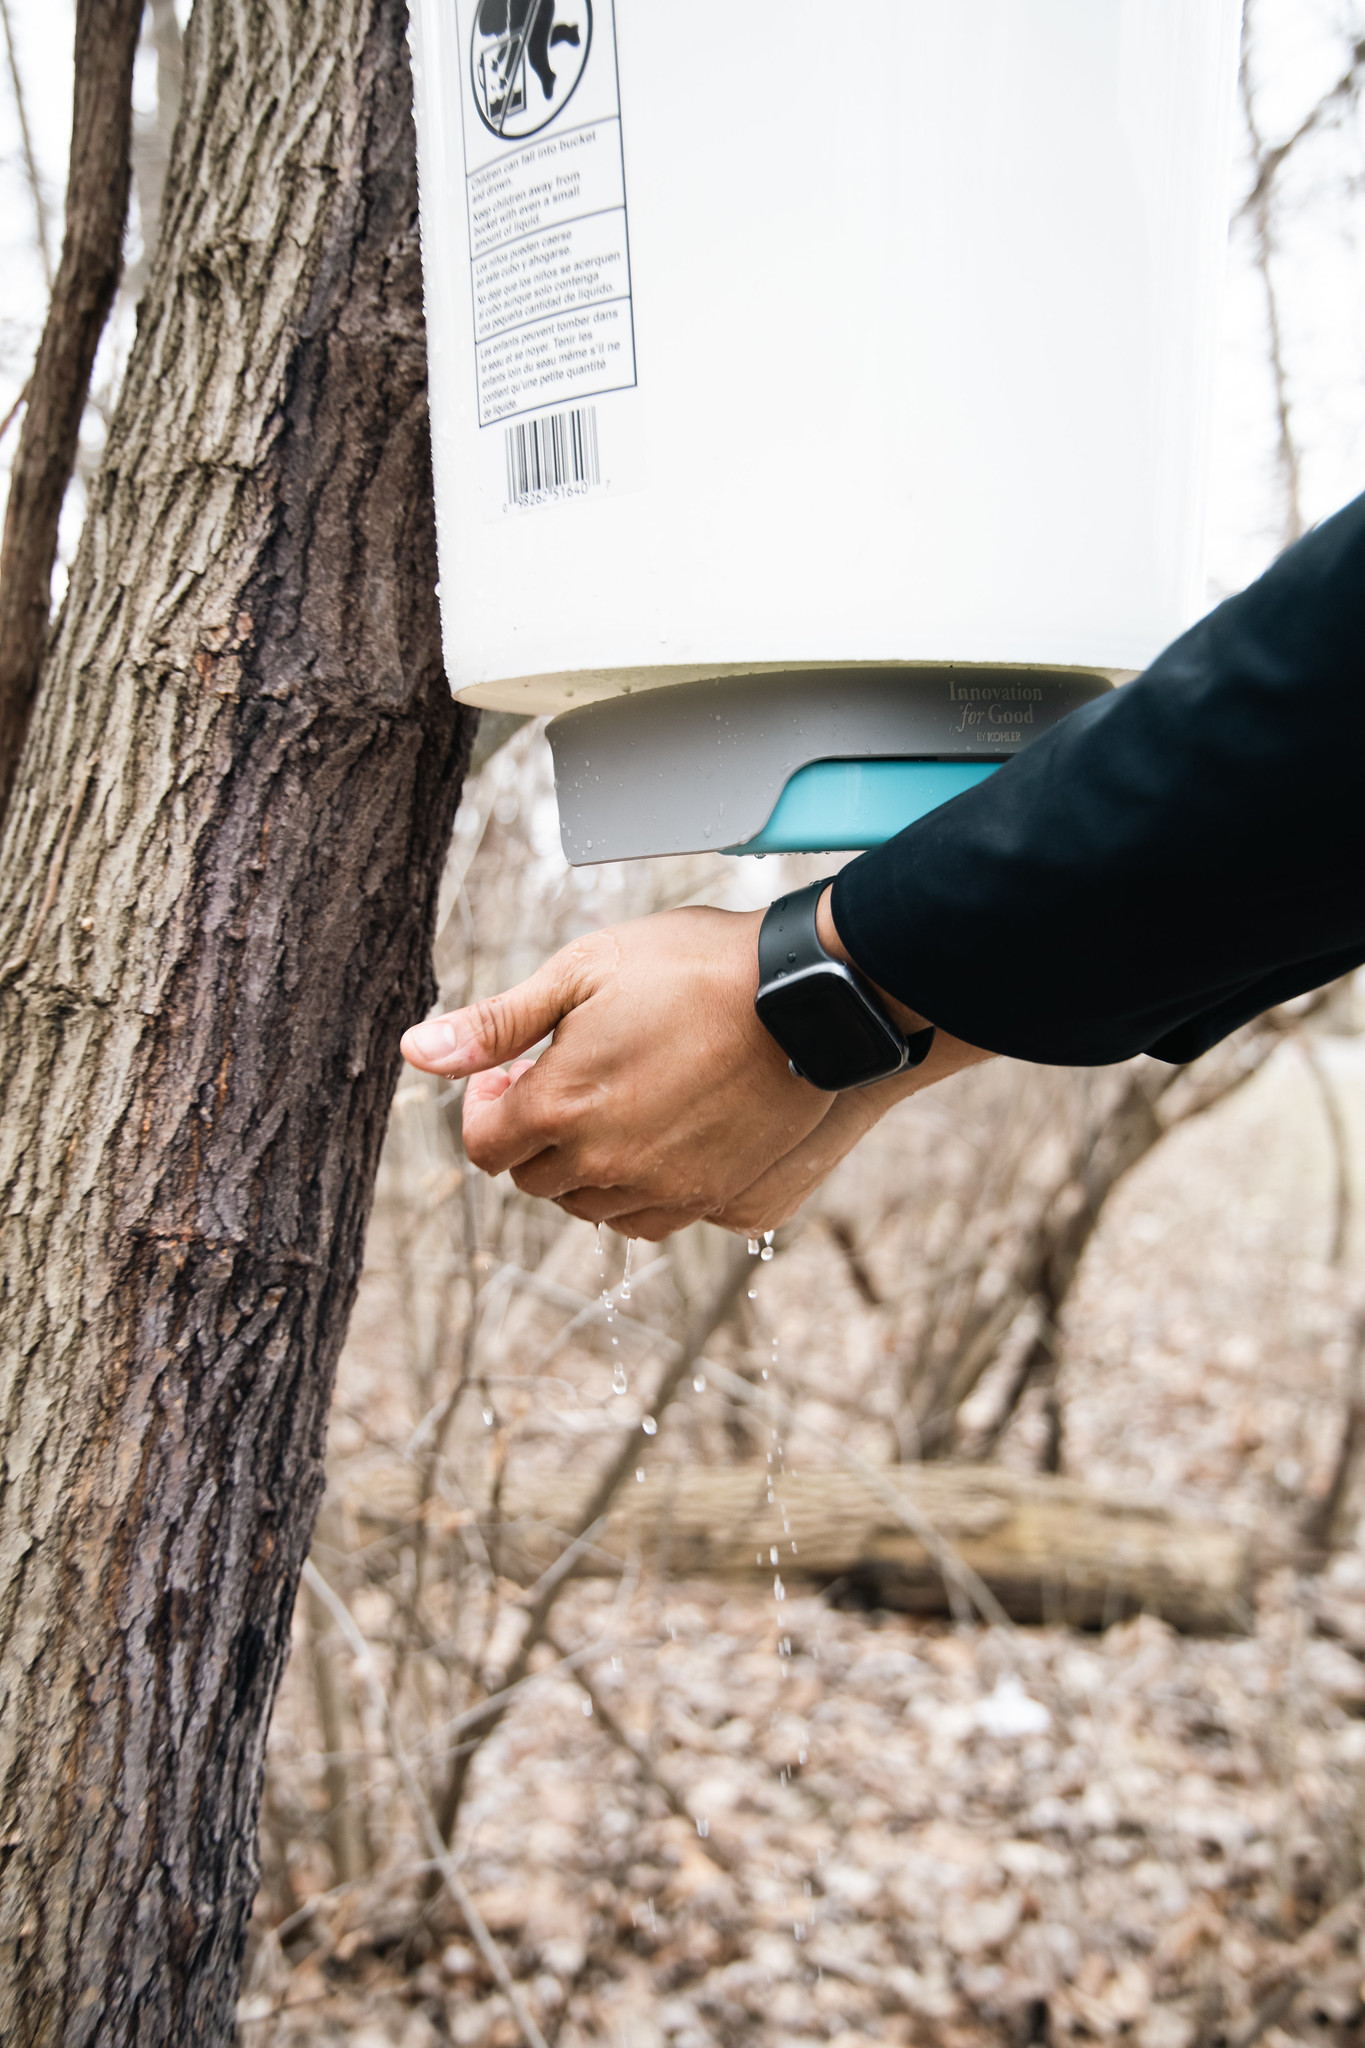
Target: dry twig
[{"x": 92, "y": 252}]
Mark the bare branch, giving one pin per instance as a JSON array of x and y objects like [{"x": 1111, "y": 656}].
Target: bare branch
[
  {"x": 92, "y": 253},
  {"x": 12, "y": 415},
  {"x": 1276, "y": 1988},
  {"x": 1321, "y": 1528},
  {"x": 436, "y": 1848},
  {"x": 722, "y": 1858},
  {"x": 634, "y": 1451},
  {"x": 1271, "y": 161},
  {"x": 1258, "y": 208}
]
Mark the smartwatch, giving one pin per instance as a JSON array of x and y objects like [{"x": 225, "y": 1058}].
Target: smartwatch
[{"x": 824, "y": 1016}]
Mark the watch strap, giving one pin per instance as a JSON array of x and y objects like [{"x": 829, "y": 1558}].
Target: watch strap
[
  {"x": 789, "y": 941},
  {"x": 787, "y": 937}
]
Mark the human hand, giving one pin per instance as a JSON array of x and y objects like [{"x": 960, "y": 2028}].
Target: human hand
[
  {"x": 661, "y": 1098},
  {"x": 779, "y": 1191}
]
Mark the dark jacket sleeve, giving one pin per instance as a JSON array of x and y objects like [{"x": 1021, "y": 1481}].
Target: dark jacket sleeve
[{"x": 1165, "y": 863}]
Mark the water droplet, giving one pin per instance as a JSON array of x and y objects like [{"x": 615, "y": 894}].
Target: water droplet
[
  {"x": 488, "y": 1418},
  {"x": 765, "y": 1375},
  {"x": 618, "y": 1379},
  {"x": 703, "y": 1826},
  {"x": 699, "y": 1383},
  {"x": 766, "y": 1252},
  {"x": 753, "y": 1247},
  {"x": 772, "y": 1554},
  {"x": 767, "y": 1237},
  {"x": 779, "y": 1590},
  {"x": 801, "y": 1756},
  {"x": 649, "y": 1426},
  {"x": 640, "y": 1474},
  {"x": 753, "y": 1294},
  {"x": 625, "y": 1277},
  {"x": 587, "y": 1706}
]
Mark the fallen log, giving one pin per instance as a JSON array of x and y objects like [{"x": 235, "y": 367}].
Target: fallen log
[{"x": 1049, "y": 1550}]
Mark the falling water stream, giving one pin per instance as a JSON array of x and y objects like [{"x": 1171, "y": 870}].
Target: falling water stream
[
  {"x": 777, "y": 1472},
  {"x": 619, "y": 1382}
]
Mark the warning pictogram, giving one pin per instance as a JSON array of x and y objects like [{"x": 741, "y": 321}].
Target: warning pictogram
[{"x": 525, "y": 59}]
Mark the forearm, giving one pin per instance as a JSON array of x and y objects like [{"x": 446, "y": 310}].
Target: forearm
[
  {"x": 947, "y": 1055},
  {"x": 1165, "y": 862}
]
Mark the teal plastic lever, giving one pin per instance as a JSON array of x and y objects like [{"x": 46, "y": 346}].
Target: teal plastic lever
[{"x": 843, "y": 806}]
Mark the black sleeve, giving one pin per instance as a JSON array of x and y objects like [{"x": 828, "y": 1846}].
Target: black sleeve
[{"x": 1165, "y": 863}]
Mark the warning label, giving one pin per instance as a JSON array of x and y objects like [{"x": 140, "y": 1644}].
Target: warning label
[{"x": 548, "y": 239}]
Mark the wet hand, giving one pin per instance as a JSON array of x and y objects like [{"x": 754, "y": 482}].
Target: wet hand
[
  {"x": 781, "y": 1189},
  {"x": 661, "y": 1098}
]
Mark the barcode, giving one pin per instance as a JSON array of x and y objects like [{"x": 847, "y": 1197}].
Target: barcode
[{"x": 553, "y": 453}]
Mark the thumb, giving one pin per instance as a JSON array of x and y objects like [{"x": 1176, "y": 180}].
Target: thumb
[{"x": 497, "y": 1029}]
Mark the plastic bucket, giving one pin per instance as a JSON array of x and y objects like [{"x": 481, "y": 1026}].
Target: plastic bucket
[{"x": 809, "y": 346}]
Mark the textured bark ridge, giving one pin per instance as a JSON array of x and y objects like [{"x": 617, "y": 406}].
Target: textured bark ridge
[{"x": 218, "y": 877}]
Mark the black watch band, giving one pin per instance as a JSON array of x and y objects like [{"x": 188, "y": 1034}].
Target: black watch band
[{"x": 822, "y": 1013}]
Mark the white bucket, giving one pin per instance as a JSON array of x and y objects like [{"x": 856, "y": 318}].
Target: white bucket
[{"x": 842, "y": 341}]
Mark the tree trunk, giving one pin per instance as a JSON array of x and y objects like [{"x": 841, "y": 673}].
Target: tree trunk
[
  {"x": 218, "y": 876},
  {"x": 1048, "y": 1549}
]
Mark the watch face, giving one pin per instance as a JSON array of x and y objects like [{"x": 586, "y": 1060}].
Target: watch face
[{"x": 828, "y": 1028}]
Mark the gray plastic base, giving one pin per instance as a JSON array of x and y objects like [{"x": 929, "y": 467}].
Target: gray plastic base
[{"x": 701, "y": 766}]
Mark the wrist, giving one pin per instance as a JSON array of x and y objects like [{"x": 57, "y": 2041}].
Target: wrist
[{"x": 909, "y": 1020}]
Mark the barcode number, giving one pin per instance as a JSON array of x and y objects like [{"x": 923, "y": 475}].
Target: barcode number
[{"x": 551, "y": 454}]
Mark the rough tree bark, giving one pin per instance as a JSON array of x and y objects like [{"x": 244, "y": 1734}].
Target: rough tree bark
[
  {"x": 216, "y": 891},
  {"x": 82, "y": 293}
]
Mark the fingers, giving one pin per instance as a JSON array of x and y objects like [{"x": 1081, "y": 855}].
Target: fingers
[
  {"x": 627, "y": 1220},
  {"x": 484, "y": 1035},
  {"x": 491, "y": 1087},
  {"x": 504, "y": 1131}
]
